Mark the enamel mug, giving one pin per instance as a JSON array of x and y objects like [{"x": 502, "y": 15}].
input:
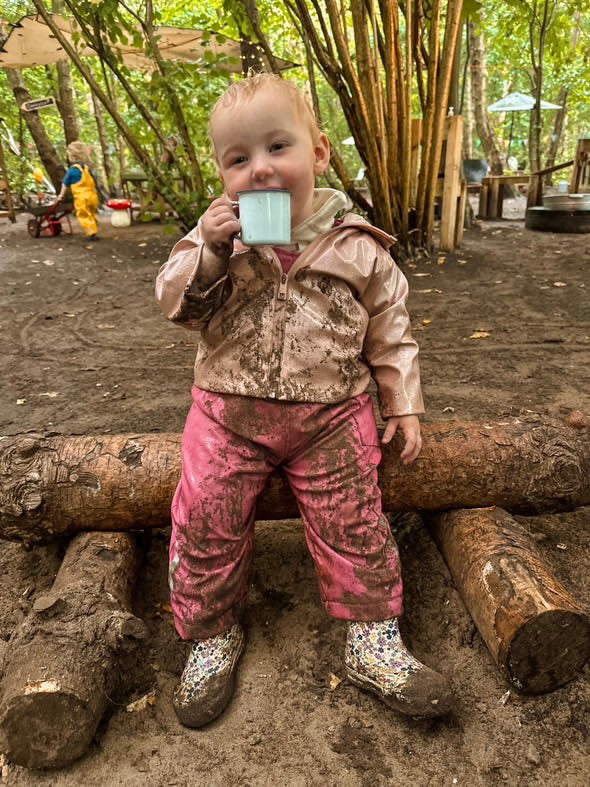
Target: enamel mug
[{"x": 265, "y": 216}]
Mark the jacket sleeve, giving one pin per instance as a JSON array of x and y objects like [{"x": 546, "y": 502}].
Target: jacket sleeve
[
  {"x": 178, "y": 293},
  {"x": 389, "y": 348}
]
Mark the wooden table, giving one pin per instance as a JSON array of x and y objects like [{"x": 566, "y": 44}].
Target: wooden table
[{"x": 491, "y": 195}]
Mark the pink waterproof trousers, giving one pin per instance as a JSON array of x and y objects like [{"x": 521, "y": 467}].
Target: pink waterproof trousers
[{"x": 329, "y": 454}]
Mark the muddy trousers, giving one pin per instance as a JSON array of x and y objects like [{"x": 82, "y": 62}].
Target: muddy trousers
[{"x": 329, "y": 454}]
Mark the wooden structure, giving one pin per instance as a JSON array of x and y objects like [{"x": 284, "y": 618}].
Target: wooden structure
[
  {"x": 491, "y": 195},
  {"x": 580, "y": 182},
  {"x": 5, "y": 191},
  {"x": 452, "y": 186},
  {"x": 535, "y": 189}
]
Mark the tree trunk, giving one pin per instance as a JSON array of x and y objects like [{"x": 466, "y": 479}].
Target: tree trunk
[
  {"x": 65, "y": 100},
  {"x": 66, "y": 659},
  {"x": 66, "y": 105},
  {"x": 49, "y": 486},
  {"x": 555, "y": 140},
  {"x": 535, "y": 630},
  {"x": 53, "y": 165},
  {"x": 107, "y": 162},
  {"x": 479, "y": 92}
]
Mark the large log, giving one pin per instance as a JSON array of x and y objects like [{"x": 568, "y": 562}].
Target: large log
[
  {"x": 65, "y": 661},
  {"x": 531, "y": 464},
  {"x": 536, "y": 631}
]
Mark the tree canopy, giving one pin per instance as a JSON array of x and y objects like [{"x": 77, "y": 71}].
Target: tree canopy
[{"x": 370, "y": 67}]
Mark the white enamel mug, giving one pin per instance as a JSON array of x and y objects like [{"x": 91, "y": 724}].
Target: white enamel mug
[{"x": 265, "y": 216}]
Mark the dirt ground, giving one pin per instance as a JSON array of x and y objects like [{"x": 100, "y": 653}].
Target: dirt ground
[{"x": 85, "y": 350}]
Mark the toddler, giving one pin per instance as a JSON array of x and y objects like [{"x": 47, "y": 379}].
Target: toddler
[
  {"x": 289, "y": 340},
  {"x": 81, "y": 181}
]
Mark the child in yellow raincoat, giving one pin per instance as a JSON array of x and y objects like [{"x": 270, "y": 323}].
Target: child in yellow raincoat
[{"x": 80, "y": 180}]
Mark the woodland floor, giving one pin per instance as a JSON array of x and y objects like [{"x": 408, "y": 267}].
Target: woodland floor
[{"x": 85, "y": 350}]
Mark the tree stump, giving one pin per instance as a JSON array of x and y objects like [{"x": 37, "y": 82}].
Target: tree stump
[
  {"x": 65, "y": 660},
  {"x": 533, "y": 627},
  {"x": 50, "y": 485}
]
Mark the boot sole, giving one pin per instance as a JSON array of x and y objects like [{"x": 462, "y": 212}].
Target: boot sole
[{"x": 439, "y": 706}]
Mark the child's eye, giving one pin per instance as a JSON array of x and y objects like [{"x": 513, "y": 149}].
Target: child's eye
[
  {"x": 237, "y": 160},
  {"x": 277, "y": 146}
]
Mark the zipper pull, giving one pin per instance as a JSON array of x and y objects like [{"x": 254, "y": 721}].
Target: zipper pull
[{"x": 282, "y": 294}]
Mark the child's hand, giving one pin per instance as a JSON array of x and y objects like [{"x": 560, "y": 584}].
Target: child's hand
[
  {"x": 410, "y": 426},
  {"x": 219, "y": 225}
]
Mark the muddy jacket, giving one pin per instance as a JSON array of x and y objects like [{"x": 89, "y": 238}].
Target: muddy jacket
[{"x": 315, "y": 334}]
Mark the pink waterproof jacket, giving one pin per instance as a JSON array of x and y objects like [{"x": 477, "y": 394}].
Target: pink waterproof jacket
[{"x": 315, "y": 334}]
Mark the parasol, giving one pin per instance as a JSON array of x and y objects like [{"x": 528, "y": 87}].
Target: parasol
[{"x": 518, "y": 102}]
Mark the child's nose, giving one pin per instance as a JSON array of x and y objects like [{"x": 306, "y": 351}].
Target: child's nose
[{"x": 261, "y": 167}]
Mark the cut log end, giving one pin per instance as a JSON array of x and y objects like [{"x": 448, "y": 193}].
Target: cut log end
[
  {"x": 548, "y": 651},
  {"x": 48, "y": 728}
]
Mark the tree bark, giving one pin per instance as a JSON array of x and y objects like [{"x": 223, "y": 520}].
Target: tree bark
[
  {"x": 479, "y": 93},
  {"x": 66, "y": 659},
  {"x": 107, "y": 163},
  {"x": 47, "y": 153},
  {"x": 66, "y": 104},
  {"x": 49, "y": 486},
  {"x": 533, "y": 627}
]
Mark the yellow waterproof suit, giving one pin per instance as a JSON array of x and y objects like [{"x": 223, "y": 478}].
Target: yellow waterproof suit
[{"x": 86, "y": 200}]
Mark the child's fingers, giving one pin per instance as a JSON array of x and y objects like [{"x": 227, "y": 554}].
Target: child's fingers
[
  {"x": 412, "y": 448},
  {"x": 389, "y": 433}
]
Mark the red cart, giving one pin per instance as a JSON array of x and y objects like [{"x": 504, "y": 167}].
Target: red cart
[{"x": 48, "y": 218}]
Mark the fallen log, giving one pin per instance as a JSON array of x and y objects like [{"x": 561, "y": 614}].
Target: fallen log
[
  {"x": 66, "y": 659},
  {"x": 531, "y": 464},
  {"x": 536, "y": 631}
]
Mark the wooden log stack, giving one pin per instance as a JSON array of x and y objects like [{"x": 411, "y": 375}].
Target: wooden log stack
[{"x": 61, "y": 663}]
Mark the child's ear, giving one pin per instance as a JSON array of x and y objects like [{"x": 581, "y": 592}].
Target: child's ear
[{"x": 322, "y": 154}]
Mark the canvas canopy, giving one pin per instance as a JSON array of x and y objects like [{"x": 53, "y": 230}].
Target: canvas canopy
[{"x": 31, "y": 43}]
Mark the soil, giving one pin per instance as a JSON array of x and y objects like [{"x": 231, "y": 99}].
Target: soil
[{"x": 504, "y": 326}]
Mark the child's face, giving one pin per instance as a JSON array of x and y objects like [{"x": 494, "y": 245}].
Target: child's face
[{"x": 265, "y": 142}]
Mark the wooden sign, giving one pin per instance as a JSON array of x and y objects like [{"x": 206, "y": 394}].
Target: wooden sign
[{"x": 38, "y": 103}]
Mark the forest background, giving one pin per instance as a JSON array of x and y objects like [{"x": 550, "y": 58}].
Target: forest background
[{"x": 370, "y": 67}]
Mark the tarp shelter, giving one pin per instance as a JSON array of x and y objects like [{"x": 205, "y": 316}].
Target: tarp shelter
[{"x": 31, "y": 43}]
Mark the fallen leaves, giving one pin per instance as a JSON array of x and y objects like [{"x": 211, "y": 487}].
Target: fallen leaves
[
  {"x": 480, "y": 334},
  {"x": 142, "y": 703}
]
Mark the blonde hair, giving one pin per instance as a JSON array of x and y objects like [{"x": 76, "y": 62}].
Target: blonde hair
[
  {"x": 77, "y": 151},
  {"x": 247, "y": 88}
]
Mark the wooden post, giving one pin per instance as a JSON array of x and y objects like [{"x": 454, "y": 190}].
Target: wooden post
[
  {"x": 65, "y": 661},
  {"x": 533, "y": 627},
  {"x": 494, "y": 198},
  {"x": 484, "y": 195},
  {"x": 451, "y": 183},
  {"x": 580, "y": 182},
  {"x": 460, "y": 223}
]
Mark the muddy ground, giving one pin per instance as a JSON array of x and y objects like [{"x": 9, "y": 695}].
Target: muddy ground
[{"x": 85, "y": 350}]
